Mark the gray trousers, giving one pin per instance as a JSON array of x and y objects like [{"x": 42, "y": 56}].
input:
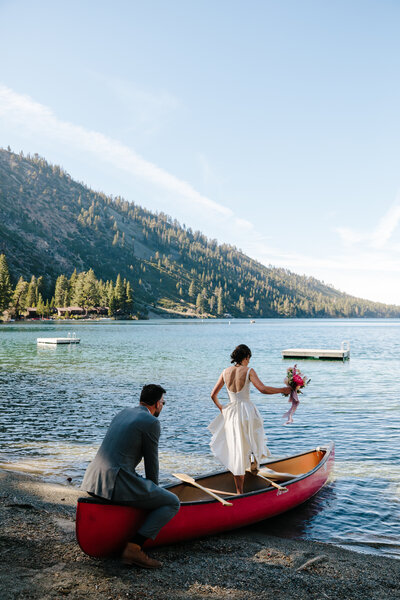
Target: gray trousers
[{"x": 162, "y": 504}]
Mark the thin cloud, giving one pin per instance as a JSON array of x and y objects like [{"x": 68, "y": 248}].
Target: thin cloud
[
  {"x": 349, "y": 236},
  {"x": 387, "y": 225},
  {"x": 24, "y": 112},
  {"x": 380, "y": 236}
]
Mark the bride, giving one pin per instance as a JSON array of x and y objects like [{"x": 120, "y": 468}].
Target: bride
[{"x": 238, "y": 432}]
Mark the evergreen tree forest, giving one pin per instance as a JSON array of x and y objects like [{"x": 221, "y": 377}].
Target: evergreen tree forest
[
  {"x": 81, "y": 290},
  {"x": 56, "y": 234}
]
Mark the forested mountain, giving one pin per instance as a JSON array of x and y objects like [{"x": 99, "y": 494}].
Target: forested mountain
[{"x": 51, "y": 225}]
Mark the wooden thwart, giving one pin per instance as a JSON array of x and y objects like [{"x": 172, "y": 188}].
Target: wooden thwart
[
  {"x": 276, "y": 485},
  {"x": 277, "y": 475}
]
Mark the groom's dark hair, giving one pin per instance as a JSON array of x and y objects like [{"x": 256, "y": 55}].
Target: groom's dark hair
[{"x": 151, "y": 394}]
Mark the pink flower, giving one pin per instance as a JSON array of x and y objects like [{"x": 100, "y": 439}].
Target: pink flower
[{"x": 298, "y": 380}]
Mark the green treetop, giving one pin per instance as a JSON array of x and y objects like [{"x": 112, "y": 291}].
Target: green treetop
[{"x": 5, "y": 284}]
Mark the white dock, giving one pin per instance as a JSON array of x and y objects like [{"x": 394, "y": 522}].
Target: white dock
[
  {"x": 319, "y": 353},
  {"x": 59, "y": 340}
]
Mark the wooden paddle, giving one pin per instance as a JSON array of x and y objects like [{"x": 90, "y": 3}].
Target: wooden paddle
[
  {"x": 188, "y": 479},
  {"x": 276, "y": 485}
]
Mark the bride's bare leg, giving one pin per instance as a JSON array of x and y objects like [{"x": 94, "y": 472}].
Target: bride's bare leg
[{"x": 239, "y": 482}]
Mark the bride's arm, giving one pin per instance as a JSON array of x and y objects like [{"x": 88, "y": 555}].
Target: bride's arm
[
  {"x": 266, "y": 389},
  {"x": 217, "y": 388}
]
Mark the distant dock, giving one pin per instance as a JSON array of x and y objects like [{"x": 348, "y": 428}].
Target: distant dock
[
  {"x": 59, "y": 340},
  {"x": 319, "y": 353}
]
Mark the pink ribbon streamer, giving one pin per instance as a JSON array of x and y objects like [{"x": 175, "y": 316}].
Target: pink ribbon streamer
[{"x": 294, "y": 399}]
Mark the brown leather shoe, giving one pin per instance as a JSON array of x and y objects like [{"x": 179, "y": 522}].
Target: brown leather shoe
[{"x": 134, "y": 555}]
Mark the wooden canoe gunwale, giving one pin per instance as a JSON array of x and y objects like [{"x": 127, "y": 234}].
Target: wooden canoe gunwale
[{"x": 327, "y": 449}]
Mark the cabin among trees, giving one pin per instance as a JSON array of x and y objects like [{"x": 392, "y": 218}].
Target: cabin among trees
[
  {"x": 82, "y": 295},
  {"x": 78, "y": 311}
]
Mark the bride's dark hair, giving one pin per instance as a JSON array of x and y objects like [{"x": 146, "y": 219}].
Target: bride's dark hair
[{"x": 240, "y": 353}]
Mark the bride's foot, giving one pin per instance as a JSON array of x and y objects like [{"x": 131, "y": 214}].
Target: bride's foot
[
  {"x": 254, "y": 467},
  {"x": 239, "y": 483}
]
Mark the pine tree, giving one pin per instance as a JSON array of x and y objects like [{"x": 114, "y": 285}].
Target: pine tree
[
  {"x": 200, "y": 303},
  {"x": 191, "y": 289},
  {"x": 40, "y": 306},
  {"x": 61, "y": 291},
  {"x": 90, "y": 293},
  {"x": 47, "y": 310},
  {"x": 109, "y": 292},
  {"x": 77, "y": 294},
  {"x": 129, "y": 299},
  {"x": 72, "y": 283},
  {"x": 112, "y": 306},
  {"x": 39, "y": 285},
  {"x": 31, "y": 297},
  {"x": 211, "y": 304},
  {"x": 220, "y": 304},
  {"x": 119, "y": 294},
  {"x": 5, "y": 284},
  {"x": 19, "y": 297}
]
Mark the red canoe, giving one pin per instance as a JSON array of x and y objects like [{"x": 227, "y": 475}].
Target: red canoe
[{"x": 103, "y": 528}]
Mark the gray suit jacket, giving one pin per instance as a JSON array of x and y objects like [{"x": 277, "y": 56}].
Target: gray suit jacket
[{"x": 132, "y": 435}]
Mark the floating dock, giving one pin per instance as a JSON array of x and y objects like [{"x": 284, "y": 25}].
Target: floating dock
[
  {"x": 319, "y": 353},
  {"x": 59, "y": 340}
]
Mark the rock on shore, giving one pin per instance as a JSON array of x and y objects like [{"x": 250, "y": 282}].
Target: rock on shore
[{"x": 40, "y": 559}]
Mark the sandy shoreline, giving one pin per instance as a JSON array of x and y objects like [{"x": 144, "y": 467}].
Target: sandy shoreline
[{"x": 41, "y": 559}]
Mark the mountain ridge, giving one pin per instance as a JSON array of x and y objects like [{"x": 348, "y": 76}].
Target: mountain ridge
[{"x": 51, "y": 224}]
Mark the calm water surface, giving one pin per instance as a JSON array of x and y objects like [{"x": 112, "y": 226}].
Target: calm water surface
[{"x": 56, "y": 404}]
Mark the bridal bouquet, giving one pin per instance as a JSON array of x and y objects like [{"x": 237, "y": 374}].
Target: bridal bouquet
[{"x": 296, "y": 380}]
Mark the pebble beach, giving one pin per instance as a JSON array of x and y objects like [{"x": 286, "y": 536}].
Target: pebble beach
[{"x": 40, "y": 559}]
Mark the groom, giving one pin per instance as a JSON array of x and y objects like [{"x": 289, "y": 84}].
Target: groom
[{"x": 133, "y": 435}]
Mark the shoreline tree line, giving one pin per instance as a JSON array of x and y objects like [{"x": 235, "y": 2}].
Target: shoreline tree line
[{"x": 81, "y": 290}]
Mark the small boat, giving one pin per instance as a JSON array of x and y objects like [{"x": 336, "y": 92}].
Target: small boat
[{"x": 103, "y": 528}]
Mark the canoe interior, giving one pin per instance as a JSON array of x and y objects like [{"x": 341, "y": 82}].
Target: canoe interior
[{"x": 224, "y": 482}]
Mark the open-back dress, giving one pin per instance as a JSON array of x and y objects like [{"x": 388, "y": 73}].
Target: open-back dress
[{"x": 238, "y": 431}]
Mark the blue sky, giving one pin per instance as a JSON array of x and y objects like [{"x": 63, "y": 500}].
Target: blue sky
[{"x": 273, "y": 126}]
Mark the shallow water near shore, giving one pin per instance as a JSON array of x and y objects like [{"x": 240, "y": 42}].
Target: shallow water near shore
[{"x": 57, "y": 402}]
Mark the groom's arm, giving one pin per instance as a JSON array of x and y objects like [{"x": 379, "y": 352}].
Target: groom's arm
[{"x": 150, "y": 451}]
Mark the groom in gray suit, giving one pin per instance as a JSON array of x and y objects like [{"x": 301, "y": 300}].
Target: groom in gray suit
[{"x": 133, "y": 435}]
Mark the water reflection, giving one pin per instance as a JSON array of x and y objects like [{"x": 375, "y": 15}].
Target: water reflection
[{"x": 296, "y": 523}]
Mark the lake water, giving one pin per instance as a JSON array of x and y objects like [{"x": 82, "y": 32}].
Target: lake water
[{"x": 57, "y": 402}]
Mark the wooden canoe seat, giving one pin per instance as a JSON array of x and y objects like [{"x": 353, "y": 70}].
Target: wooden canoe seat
[{"x": 276, "y": 475}]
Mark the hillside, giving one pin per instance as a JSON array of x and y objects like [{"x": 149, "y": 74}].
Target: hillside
[{"x": 51, "y": 225}]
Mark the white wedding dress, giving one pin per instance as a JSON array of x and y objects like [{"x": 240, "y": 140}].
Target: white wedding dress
[{"x": 238, "y": 432}]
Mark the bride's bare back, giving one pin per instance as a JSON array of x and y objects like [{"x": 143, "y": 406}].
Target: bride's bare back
[{"x": 235, "y": 378}]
